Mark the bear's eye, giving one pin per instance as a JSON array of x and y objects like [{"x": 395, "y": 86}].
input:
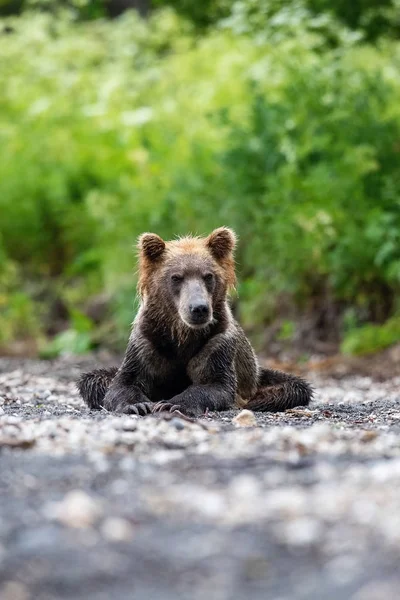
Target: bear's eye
[
  {"x": 208, "y": 277},
  {"x": 176, "y": 278}
]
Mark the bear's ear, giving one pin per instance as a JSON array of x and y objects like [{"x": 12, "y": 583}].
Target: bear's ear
[
  {"x": 221, "y": 242},
  {"x": 151, "y": 246}
]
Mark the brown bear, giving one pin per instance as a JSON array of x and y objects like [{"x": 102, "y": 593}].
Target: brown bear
[{"x": 186, "y": 352}]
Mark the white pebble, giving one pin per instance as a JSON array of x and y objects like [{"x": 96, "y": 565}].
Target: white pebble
[
  {"x": 116, "y": 529},
  {"x": 77, "y": 509},
  {"x": 245, "y": 418}
]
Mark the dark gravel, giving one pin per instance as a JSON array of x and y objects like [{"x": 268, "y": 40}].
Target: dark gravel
[{"x": 303, "y": 505}]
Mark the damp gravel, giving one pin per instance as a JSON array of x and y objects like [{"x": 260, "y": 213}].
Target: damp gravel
[{"x": 297, "y": 505}]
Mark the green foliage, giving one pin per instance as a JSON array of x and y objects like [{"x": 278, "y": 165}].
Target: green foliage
[
  {"x": 78, "y": 339},
  {"x": 69, "y": 341},
  {"x": 77, "y": 9},
  {"x": 318, "y": 165},
  {"x": 287, "y": 331},
  {"x": 370, "y": 338},
  {"x": 287, "y": 129},
  {"x": 277, "y": 20},
  {"x": 202, "y": 14},
  {"x": 19, "y": 315},
  {"x": 374, "y": 18}
]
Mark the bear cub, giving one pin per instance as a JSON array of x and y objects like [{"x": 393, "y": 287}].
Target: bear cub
[{"x": 186, "y": 352}]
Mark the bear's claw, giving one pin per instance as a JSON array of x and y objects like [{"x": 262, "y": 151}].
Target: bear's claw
[
  {"x": 165, "y": 407},
  {"x": 141, "y": 409}
]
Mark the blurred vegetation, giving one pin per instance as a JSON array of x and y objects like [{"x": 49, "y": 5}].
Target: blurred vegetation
[{"x": 280, "y": 119}]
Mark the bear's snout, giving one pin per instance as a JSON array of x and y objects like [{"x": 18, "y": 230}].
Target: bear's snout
[
  {"x": 195, "y": 307},
  {"x": 199, "y": 312}
]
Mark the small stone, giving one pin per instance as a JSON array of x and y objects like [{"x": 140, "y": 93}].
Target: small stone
[
  {"x": 13, "y": 420},
  {"x": 77, "y": 509},
  {"x": 302, "y": 532},
  {"x": 376, "y": 590},
  {"x": 14, "y": 590},
  {"x": 2, "y": 400},
  {"x": 116, "y": 529},
  {"x": 1, "y": 410},
  {"x": 302, "y": 412},
  {"x": 178, "y": 424},
  {"x": 13, "y": 442},
  {"x": 368, "y": 436},
  {"x": 129, "y": 424},
  {"x": 245, "y": 418}
]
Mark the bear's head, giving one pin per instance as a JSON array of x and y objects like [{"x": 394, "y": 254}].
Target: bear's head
[{"x": 189, "y": 278}]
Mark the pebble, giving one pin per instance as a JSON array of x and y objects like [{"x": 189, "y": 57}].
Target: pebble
[
  {"x": 14, "y": 590},
  {"x": 77, "y": 509},
  {"x": 246, "y": 418},
  {"x": 322, "y": 479},
  {"x": 116, "y": 529},
  {"x": 129, "y": 424},
  {"x": 378, "y": 590},
  {"x": 369, "y": 436},
  {"x": 301, "y": 532},
  {"x": 13, "y": 420},
  {"x": 178, "y": 423}
]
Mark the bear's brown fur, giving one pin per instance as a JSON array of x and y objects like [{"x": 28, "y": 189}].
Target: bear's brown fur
[{"x": 186, "y": 352}]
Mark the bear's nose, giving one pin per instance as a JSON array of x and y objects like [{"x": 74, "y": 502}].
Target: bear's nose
[{"x": 199, "y": 309}]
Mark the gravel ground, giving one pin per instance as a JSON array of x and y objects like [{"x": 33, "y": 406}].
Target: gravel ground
[{"x": 297, "y": 505}]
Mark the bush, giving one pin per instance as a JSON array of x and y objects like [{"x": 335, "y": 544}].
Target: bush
[
  {"x": 317, "y": 163},
  {"x": 373, "y": 18},
  {"x": 370, "y": 338},
  {"x": 110, "y": 129}
]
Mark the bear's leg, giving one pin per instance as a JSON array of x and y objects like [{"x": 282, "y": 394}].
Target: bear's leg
[
  {"x": 212, "y": 372},
  {"x": 94, "y": 388},
  {"x": 278, "y": 391},
  {"x": 197, "y": 399},
  {"x": 117, "y": 389}
]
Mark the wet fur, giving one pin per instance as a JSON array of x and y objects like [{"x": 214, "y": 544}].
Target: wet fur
[{"x": 168, "y": 364}]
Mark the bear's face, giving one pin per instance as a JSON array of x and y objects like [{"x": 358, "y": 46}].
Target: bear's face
[
  {"x": 187, "y": 278},
  {"x": 191, "y": 281}
]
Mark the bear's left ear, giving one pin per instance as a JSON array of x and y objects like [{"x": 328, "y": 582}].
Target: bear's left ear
[
  {"x": 151, "y": 246},
  {"x": 221, "y": 242}
]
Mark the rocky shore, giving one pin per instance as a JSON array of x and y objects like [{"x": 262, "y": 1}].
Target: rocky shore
[{"x": 297, "y": 505}]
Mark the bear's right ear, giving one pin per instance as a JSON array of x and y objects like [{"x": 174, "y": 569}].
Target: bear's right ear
[{"x": 151, "y": 246}]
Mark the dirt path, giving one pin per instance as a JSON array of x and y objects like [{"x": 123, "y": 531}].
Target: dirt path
[{"x": 305, "y": 505}]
